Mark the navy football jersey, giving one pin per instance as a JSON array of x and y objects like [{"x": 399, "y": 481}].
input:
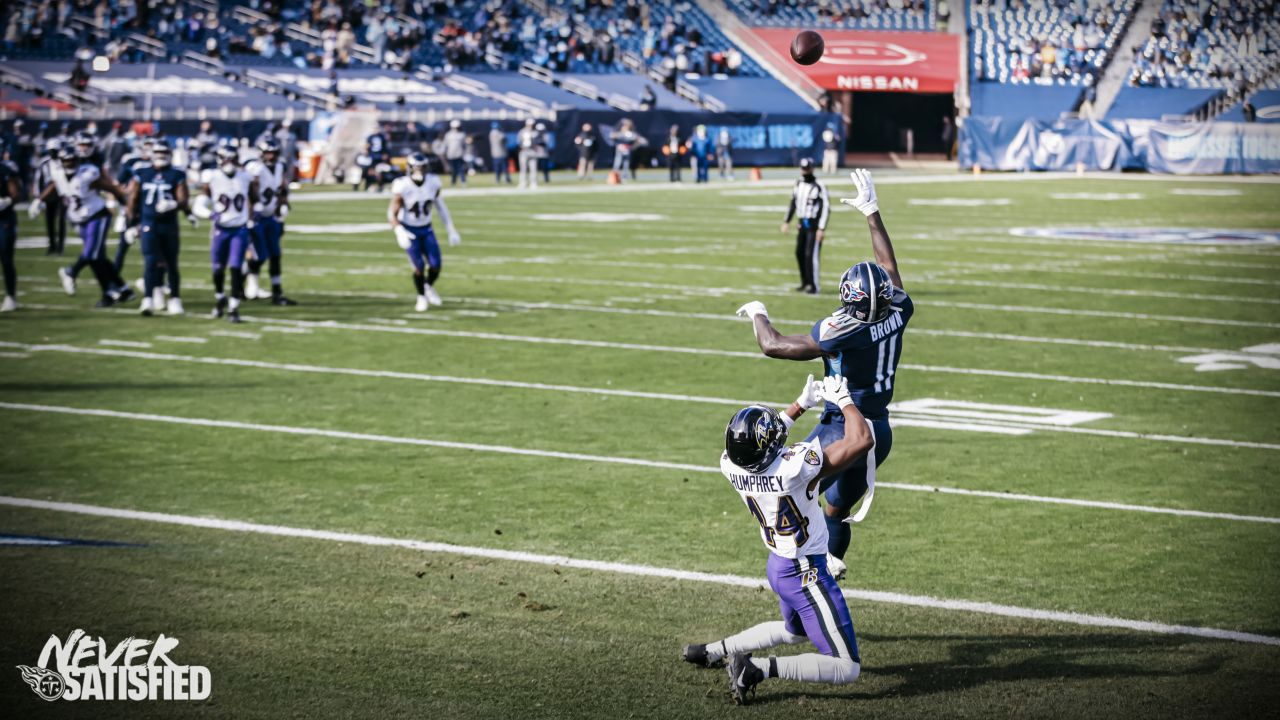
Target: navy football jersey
[
  {"x": 129, "y": 166},
  {"x": 156, "y": 185},
  {"x": 7, "y": 170},
  {"x": 866, "y": 354}
]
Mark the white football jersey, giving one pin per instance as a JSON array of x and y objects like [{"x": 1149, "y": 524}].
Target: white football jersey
[
  {"x": 83, "y": 202},
  {"x": 230, "y": 197},
  {"x": 784, "y": 499},
  {"x": 416, "y": 200},
  {"x": 270, "y": 183}
]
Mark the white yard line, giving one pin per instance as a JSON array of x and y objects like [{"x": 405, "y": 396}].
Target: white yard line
[
  {"x": 507, "y": 450},
  {"x": 125, "y": 343},
  {"x": 181, "y": 339},
  {"x": 892, "y": 598}
]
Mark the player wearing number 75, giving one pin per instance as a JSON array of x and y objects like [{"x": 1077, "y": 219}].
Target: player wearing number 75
[{"x": 780, "y": 486}]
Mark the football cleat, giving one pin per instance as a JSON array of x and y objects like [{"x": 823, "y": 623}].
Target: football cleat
[
  {"x": 126, "y": 294},
  {"x": 145, "y": 308},
  {"x": 754, "y": 437},
  {"x": 696, "y": 654},
  {"x": 433, "y": 297},
  {"x": 157, "y": 298},
  {"x": 251, "y": 288},
  {"x": 219, "y": 308},
  {"x": 234, "y": 316},
  {"x": 175, "y": 306},
  {"x": 105, "y": 301},
  {"x": 68, "y": 282},
  {"x": 744, "y": 676},
  {"x": 836, "y": 566},
  {"x": 283, "y": 301},
  {"x": 9, "y": 304},
  {"x": 421, "y": 305},
  {"x": 866, "y": 292},
  {"x": 140, "y": 284}
]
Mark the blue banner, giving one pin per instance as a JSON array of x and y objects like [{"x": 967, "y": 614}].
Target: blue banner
[{"x": 1208, "y": 148}]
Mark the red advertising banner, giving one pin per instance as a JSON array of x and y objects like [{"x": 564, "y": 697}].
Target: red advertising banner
[{"x": 926, "y": 62}]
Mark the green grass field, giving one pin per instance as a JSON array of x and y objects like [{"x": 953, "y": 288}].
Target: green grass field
[{"x": 614, "y": 342}]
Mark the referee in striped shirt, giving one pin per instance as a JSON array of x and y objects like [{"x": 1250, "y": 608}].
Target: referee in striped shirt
[{"x": 811, "y": 208}]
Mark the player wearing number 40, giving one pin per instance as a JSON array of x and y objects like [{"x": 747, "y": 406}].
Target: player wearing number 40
[{"x": 412, "y": 199}]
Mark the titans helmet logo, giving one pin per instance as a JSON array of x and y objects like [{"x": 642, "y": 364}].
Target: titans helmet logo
[{"x": 851, "y": 291}]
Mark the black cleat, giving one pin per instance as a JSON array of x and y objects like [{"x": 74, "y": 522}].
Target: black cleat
[
  {"x": 697, "y": 655},
  {"x": 801, "y": 288},
  {"x": 744, "y": 676},
  {"x": 283, "y": 300},
  {"x": 105, "y": 302},
  {"x": 126, "y": 295},
  {"x": 234, "y": 316},
  {"x": 219, "y": 309}
]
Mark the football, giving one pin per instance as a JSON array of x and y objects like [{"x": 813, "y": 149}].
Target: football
[{"x": 807, "y": 47}]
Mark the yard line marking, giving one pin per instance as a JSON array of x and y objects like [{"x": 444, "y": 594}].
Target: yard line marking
[
  {"x": 182, "y": 339},
  {"x": 685, "y": 467},
  {"x": 904, "y": 414},
  {"x": 236, "y": 334},
  {"x": 14, "y": 355},
  {"x": 1102, "y": 291},
  {"x": 499, "y": 337},
  {"x": 125, "y": 343},
  {"x": 741, "y": 581},
  {"x": 1097, "y": 313}
]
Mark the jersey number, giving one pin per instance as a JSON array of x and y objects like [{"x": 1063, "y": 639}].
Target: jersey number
[
  {"x": 267, "y": 195},
  {"x": 152, "y": 195},
  {"x": 226, "y": 203},
  {"x": 790, "y": 521},
  {"x": 419, "y": 209}
]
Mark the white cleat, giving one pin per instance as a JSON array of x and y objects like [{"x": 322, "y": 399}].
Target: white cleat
[
  {"x": 421, "y": 305},
  {"x": 68, "y": 282},
  {"x": 145, "y": 307},
  {"x": 157, "y": 298},
  {"x": 9, "y": 304},
  {"x": 175, "y": 306},
  {"x": 251, "y": 286},
  {"x": 140, "y": 284},
  {"x": 836, "y": 566},
  {"x": 433, "y": 297}
]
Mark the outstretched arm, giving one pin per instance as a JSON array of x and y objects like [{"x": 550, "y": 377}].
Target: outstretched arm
[
  {"x": 857, "y": 438},
  {"x": 868, "y": 205},
  {"x": 773, "y": 343}
]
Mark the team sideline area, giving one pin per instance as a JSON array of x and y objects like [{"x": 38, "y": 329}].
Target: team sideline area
[{"x": 509, "y": 505}]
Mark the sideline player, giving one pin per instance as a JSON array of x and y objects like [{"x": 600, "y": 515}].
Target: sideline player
[
  {"x": 861, "y": 341},
  {"x": 412, "y": 199},
  {"x": 80, "y": 184},
  {"x": 811, "y": 207},
  {"x": 55, "y": 213},
  {"x": 228, "y": 197},
  {"x": 137, "y": 159},
  {"x": 780, "y": 487},
  {"x": 269, "y": 213},
  {"x": 156, "y": 193},
  {"x": 10, "y": 191}
]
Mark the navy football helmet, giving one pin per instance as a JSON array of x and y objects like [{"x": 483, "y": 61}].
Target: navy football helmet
[
  {"x": 754, "y": 437},
  {"x": 866, "y": 292}
]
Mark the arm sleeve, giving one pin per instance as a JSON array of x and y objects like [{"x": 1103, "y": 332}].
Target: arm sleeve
[
  {"x": 443, "y": 211},
  {"x": 791, "y": 207},
  {"x": 826, "y": 207}
]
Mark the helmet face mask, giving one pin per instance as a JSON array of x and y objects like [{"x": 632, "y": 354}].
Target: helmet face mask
[
  {"x": 754, "y": 437},
  {"x": 70, "y": 158},
  {"x": 866, "y": 292},
  {"x": 418, "y": 167},
  {"x": 228, "y": 160},
  {"x": 161, "y": 157},
  {"x": 270, "y": 150}
]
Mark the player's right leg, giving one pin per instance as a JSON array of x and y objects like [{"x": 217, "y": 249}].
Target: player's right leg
[
  {"x": 847, "y": 488},
  {"x": 219, "y": 254},
  {"x": 417, "y": 258},
  {"x": 151, "y": 259},
  {"x": 8, "y": 241}
]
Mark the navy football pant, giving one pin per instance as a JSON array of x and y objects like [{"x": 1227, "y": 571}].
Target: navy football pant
[{"x": 843, "y": 490}]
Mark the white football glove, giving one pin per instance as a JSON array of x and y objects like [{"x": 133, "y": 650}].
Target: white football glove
[
  {"x": 165, "y": 205},
  {"x": 835, "y": 390},
  {"x": 258, "y": 208},
  {"x": 202, "y": 207},
  {"x": 811, "y": 395},
  {"x": 119, "y": 224},
  {"x": 454, "y": 238},
  {"x": 5, "y": 202},
  {"x": 35, "y": 208},
  {"x": 131, "y": 235},
  {"x": 282, "y": 211},
  {"x": 404, "y": 238},
  {"x": 753, "y": 309},
  {"x": 866, "y": 200}
]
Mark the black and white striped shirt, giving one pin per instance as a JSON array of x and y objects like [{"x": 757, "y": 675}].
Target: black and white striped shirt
[{"x": 809, "y": 202}]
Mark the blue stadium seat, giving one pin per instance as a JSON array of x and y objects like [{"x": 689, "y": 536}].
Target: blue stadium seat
[{"x": 838, "y": 14}]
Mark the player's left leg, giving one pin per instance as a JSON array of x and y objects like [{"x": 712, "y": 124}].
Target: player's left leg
[
  {"x": 238, "y": 249},
  {"x": 847, "y": 488},
  {"x": 8, "y": 241},
  {"x": 417, "y": 258},
  {"x": 258, "y": 245},
  {"x": 815, "y": 264},
  {"x": 273, "y": 233},
  {"x": 431, "y": 250},
  {"x": 169, "y": 249},
  {"x": 122, "y": 247}
]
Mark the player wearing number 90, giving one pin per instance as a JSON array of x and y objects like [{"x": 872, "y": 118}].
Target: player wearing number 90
[
  {"x": 228, "y": 197},
  {"x": 412, "y": 199},
  {"x": 156, "y": 193},
  {"x": 779, "y": 485},
  {"x": 268, "y": 220}
]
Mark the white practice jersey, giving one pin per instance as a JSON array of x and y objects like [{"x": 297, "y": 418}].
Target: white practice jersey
[
  {"x": 416, "y": 200},
  {"x": 270, "y": 183},
  {"x": 230, "y": 197},
  {"x": 76, "y": 190},
  {"x": 784, "y": 499}
]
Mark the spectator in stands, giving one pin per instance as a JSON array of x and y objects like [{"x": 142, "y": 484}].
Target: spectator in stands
[
  {"x": 454, "y": 147},
  {"x": 830, "y": 150},
  {"x": 648, "y": 99},
  {"x": 724, "y": 153},
  {"x": 498, "y": 154},
  {"x": 587, "y": 145},
  {"x": 79, "y": 76}
]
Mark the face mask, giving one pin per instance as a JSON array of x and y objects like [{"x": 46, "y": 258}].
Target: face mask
[
  {"x": 161, "y": 162},
  {"x": 229, "y": 169},
  {"x": 417, "y": 177}
]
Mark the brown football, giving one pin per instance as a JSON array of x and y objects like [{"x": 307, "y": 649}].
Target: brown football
[{"x": 807, "y": 47}]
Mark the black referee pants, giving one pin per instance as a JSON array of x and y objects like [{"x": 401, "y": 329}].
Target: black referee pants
[
  {"x": 807, "y": 251},
  {"x": 55, "y": 224}
]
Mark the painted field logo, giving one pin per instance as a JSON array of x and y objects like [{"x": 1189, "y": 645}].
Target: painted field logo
[
  {"x": 87, "y": 668},
  {"x": 1174, "y": 236}
]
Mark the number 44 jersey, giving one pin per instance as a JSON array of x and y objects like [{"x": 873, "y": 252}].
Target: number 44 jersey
[
  {"x": 416, "y": 199},
  {"x": 784, "y": 499}
]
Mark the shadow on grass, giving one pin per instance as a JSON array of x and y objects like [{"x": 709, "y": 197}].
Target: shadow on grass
[{"x": 974, "y": 661}]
